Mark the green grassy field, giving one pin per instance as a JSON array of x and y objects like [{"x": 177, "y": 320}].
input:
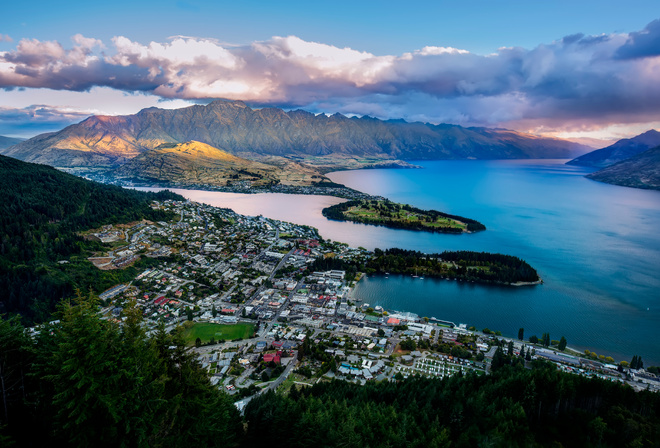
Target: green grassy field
[{"x": 206, "y": 331}]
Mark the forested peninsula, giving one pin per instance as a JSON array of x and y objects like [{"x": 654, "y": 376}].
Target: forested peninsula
[
  {"x": 383, "y": 212},
  {"x": 481, "y": 267}
]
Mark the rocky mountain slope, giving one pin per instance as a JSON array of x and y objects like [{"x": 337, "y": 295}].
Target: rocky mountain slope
[
  {"x": 639, "y": 171},
  {"x": 196, "y": 163},
  {"x": 619, "y": 151},
  {"x": 240, "y": 130}
]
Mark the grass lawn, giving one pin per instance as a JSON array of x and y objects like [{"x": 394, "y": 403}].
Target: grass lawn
[
  {"x": 366, "y": 212},
  {"x": 206, "y": 331}
]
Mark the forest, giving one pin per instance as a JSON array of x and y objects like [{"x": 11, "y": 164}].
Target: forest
[
  {"x": 42, "y": 213},
  {"x": 513, "y": 407},
  {"x": 85, "y": 381},
  {"x": 400, "y": 216},
  {"x": 480, "y": 267}
]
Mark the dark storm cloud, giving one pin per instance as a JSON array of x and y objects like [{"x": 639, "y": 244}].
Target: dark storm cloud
[{"x": 642, "y": 44}]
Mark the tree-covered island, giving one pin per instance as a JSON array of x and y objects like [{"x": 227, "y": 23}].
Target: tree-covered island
[{"x": 383, "y": 212}]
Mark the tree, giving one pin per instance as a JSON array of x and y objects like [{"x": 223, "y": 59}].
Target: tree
[
  {"x": 546, "y": 340},
  {"x": 104, "y": 385},
  {"x": 189, "y": 314},
  {"x": 521, "y": 333},
  {"x": 534, "y": 339},
  {"x": 499, "y": 359},
  {"x": 198, "y": 342},
  {"x": 214, "y": 312},
  {"x": 14, "y": 362},
  {"x": 636, "y": 363},
  {"x": 509, "y": 350},
  {"x": 381, "y": 332},
  {"x": 408, "y": 344},
  {"x": 562, "y": 344}
]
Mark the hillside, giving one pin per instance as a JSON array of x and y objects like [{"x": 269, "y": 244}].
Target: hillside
[
  {"x": 640, "y": 171},
  {"x": 240, "y": 130},
  {"x": 619, "y": 151},
  {"x": 6, "y": 142},
  {"x": 41, "y": 213},
  {"x": 195, "y": 163}
]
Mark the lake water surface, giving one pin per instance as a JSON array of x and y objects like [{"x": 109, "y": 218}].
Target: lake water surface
[{"x": 596, "y": 246}]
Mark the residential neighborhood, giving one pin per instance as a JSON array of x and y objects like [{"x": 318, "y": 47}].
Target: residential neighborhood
[{"x": 248, "y": 296}]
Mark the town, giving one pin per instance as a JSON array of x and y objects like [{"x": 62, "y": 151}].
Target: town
[{"x": 250, "y": 297}]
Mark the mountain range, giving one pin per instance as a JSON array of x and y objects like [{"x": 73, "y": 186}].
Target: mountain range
[
  {"x": 619, "y": 151},
  {"x": 232, "y": 126},
  {"x": 639, "y": 171},
  {"x": 630, "y": 162}
]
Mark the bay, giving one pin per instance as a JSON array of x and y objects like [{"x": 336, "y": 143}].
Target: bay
[{"x": 596, "y": 246}]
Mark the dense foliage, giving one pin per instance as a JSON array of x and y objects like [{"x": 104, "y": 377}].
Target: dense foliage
[
  {"x": 480, "y": 267},
  {"x": 465, "y": 265},
  {"x": 514, "y": 407},
  {"x": 87, "y": 382},
  {"x": 388, "y": 209},
  {"x": 42, "y": 212}
]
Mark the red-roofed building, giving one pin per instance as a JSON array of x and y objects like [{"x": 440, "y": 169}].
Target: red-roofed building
[
  {"x": 275, "y": 357},
  {"x": 393, "y": 322}
]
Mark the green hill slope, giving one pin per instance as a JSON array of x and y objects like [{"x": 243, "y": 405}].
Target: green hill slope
[{"x": 41, "y": 212}]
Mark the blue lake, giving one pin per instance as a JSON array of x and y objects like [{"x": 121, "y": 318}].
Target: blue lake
[{"x": 596, "y": 246}]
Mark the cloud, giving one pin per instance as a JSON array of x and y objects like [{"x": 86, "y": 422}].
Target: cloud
[
  {"x": 575, "y": 81},
  {"x": 642, "y": 44},
  {"x": 37, "y": 118},
  {"x": 5, "y": 38}
]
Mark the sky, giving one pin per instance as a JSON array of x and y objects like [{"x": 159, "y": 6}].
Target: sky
[{"x": 586, "y": 69}]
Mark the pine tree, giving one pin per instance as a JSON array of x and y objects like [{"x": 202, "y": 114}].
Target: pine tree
[
  {"x": 562, "y": 344},
  {"x": 546, "y": 339}
]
